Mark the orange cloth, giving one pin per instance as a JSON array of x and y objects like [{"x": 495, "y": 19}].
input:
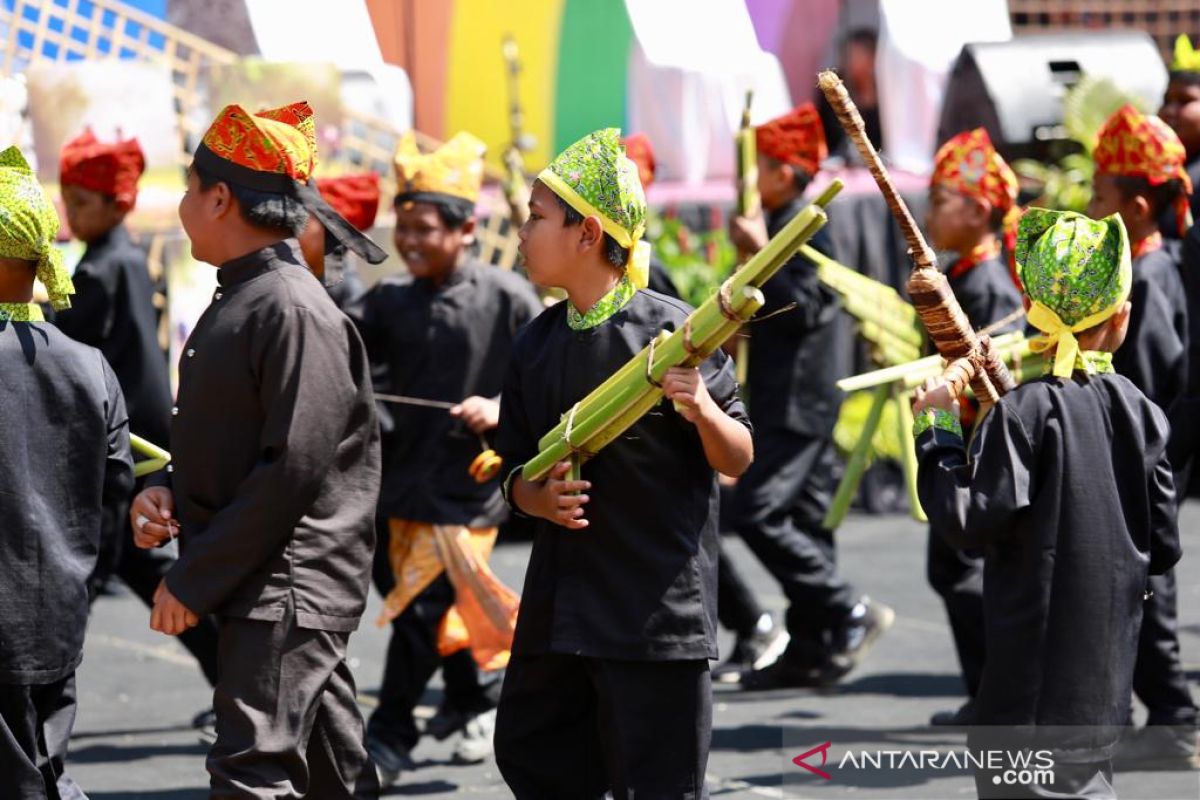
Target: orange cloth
[
  {"x": 355, "y": 197},
  {"x": 1135, "y": 145},
  {"x": 1148, "y": 245},
  {"x": 981, "y": 253},
  {"x": 640, "y": 151},
  {"x": 796, "y": 138},
  {"x": 484, "y": 613},
  {"x": 110, "y": 168},
  {"x": 968, "y": 164}
]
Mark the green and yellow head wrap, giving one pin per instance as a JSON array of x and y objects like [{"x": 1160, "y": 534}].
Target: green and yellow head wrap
[
  {"x": 596, "y": 178},
  {"x": 1076, "y": 272},
  {"x": 28, "y": 225}
]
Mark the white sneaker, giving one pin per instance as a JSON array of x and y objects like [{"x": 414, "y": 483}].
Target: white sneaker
[{"x": 475, "y": 745}]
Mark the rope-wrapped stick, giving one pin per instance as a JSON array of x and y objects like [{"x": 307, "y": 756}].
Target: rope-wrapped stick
[{"x": 940, "y": 312}]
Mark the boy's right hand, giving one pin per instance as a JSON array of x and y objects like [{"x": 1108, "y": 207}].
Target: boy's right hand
[
  {"x": 554, "y": 498},
  {"x": 748, "y": 234},
  {"x": 152, "y": 517}
]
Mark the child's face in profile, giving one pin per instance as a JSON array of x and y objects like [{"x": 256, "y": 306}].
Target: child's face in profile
[
  {"x": 546, "y": 244},
  {"x": 90, "y": 214},
  {"x": 954, "y": 221},
  {"x": 1181, "y": 110},
  {"x": 1107, "y": 200}
]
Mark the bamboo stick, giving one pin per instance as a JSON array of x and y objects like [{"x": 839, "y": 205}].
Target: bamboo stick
[
  {"x": 940, "y": 312},
  {"x": 156, "y": 457}
]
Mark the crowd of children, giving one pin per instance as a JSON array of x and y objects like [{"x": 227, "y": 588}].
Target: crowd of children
[{"x": 324, "y": 432}]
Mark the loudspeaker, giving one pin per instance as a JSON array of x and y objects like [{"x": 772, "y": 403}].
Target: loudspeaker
[{"x": 1015, "y": 89}]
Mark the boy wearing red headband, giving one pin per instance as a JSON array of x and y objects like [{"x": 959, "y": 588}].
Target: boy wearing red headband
[{"x": 798, "y": 350}]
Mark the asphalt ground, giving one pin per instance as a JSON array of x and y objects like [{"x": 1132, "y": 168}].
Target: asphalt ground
[{"x": 139, "y": 691}]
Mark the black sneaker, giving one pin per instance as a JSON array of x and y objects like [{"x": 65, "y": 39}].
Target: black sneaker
[
  {"x": 757, "y": 651},
  {"x": 390, "y": 760},
  {"x": 786, "y": 673},
  {"x": 445, "y": 723},
  {"x": 867, "y": 621},
  {"x": 1158, "y": 747},
  {"x": 960, "y": 717}
]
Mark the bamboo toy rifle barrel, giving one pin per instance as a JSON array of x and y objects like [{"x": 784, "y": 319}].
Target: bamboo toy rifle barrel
[
  {"x": 516, "y": 191},
  {"x": 971, "y": 358}
]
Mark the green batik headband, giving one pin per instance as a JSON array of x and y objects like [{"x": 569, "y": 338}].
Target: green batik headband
[
  {"x": 597, "y": 179},
  {"x": 1077, "y": 273},
  {"x": 29, "y": 225}
]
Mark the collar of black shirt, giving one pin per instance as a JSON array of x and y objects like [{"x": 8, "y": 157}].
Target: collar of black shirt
[
  {"x": 255, "y": 263},
  {"x": 113, "y": 237}
]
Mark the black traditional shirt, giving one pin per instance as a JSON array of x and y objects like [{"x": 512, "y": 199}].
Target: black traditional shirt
[
  {"x": 276, "y": 450},
  {"x": 64, "y": 461},
  {"x": 443, "y": 343},
  {"x": 640, "y": 581},
  {"x": 1154, "y": 355},
  {"x": 797, "y": 355},
  {"x": 113, "y": 310},
  {"x": 1069, "y": 492}
]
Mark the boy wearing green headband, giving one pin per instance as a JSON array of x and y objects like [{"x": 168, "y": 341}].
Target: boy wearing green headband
[
  {"x": 608, "y": 687},
  {"x": 1067, "y": 489},
  {"x": 1181, "y": 110},
  {"x": 64, "y": 460}
]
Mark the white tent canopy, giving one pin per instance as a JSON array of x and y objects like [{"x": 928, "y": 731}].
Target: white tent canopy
[{"x": 687, "y": 92}]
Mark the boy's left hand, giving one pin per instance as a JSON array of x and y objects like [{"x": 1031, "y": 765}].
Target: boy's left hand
[
  {"x": 935, "y": 393},
  {"x": 685, "y": 387},
  {"x": 169, "y": 615},
  {"x": 480, "y": 413}
]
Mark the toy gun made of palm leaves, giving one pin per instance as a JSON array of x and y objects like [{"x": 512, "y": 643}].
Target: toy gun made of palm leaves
[
  {"x": 516, "y": 188},
  {"x": 892, "y": 329},
  {"x": 620, "y": 401},
  {"x": 972, "y": 361},
  {"x": 895, "y": 383}
]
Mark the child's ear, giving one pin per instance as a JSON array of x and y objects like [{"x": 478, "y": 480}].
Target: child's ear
[
  {"x": 979, "y": 211},
  {"x": 220, "y": 200},
  {"x": 468, "y": 232},
  {"x": 591, "y": 233},
  {"x": 1140, "y": 207}
]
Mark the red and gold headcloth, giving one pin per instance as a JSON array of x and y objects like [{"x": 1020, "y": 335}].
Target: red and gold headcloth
[
  {"x": 110, "y": 168},
  {"x": 640, "y": 151},
  {"x": 796, "y": 138},
  {"x": 276, "y": 151},
  {"x": 969, "y": 164},
  {"x": 1134, "y": 145}
]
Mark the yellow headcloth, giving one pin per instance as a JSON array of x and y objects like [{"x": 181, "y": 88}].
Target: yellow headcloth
[
  {"x": 1187, "y": 57},
  {"x": 454, "y": 169}
]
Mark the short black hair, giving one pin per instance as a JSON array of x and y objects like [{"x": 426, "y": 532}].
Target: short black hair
[
  {"x": 262, "y": 209},
  {"x": 453, "y": 213},
  {"x": 613, "y": 252},
  {"x": 1186, "y": 77},
  {"x": 867, "y": 37},
  {"x": 1159, "y": 197},
  {"x": 996, "y": 220}
]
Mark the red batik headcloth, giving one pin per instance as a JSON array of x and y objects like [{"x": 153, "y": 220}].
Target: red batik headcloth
[
  {"x": 796, "y": 138},
  {"x": 110, "y": 168}
]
